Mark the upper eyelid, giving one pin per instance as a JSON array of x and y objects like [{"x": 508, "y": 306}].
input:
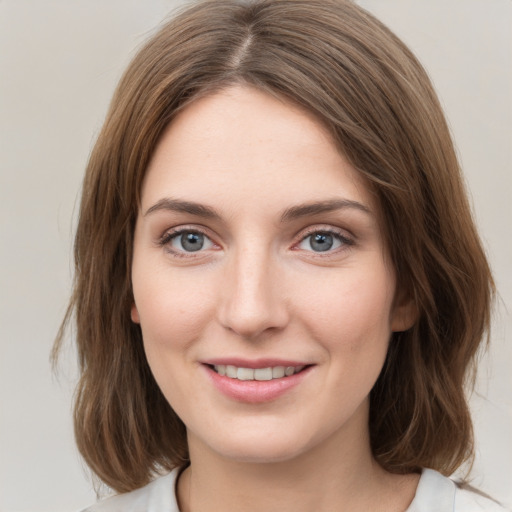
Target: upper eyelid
[
  {"x": 194, "y": 228},
  {"x": 325, "y": 228}
]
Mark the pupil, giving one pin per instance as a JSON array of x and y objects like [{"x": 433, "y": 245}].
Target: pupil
[
  {"x": 192, "y": 241},
  {"x": 322, "y": 242}
]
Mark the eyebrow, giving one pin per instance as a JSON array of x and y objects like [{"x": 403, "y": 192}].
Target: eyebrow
[
  {"x": 292, "y": 213},
  {"x": 315, "y": 208},
  {"x": 177, "y": 205}
]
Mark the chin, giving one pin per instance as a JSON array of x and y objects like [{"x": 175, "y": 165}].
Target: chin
[{"x": 259, "y": 448}]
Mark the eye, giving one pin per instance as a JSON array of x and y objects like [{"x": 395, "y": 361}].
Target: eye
[
  {"x": 187, "y": 241},
  {"x": 323, "y": 241}
]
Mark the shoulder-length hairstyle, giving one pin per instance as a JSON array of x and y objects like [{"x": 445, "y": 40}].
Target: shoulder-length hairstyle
[{"x": 341, "y": 64}]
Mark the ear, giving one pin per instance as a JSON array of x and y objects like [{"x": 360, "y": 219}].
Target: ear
[
  {"x": 404, "y": 314},
  {"x": 134, "y": 313}
]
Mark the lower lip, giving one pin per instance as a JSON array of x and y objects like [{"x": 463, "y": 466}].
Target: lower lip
[{"x": 255, "y": 391}]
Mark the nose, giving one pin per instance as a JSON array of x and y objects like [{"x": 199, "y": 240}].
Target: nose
[{"x": 253, "y": 299}]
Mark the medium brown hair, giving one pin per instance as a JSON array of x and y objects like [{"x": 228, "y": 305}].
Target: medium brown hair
[{"x": 340, "y": 63}]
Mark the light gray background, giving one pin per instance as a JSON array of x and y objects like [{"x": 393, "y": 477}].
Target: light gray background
[{"x": 59, "y": 62}]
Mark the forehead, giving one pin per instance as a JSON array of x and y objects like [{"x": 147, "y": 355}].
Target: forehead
[{"x": 243, "y": 143}]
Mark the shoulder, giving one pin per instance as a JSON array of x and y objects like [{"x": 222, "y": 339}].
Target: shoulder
[
  {"x": 157, "y": 496},
  {"x": 438, "y": 493}
]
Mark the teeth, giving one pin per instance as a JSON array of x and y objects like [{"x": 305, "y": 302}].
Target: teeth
[
  {"x": 276, "y": 372},
  {"x": 263, "y": 374},
  {"x": 231, "y": 371},
  {"x": 245, "y": 374}
]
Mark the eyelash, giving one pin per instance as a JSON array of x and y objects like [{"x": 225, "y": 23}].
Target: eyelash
[
  {"x": 346, "y": 242},
  {"x": 169, "y": 236}
]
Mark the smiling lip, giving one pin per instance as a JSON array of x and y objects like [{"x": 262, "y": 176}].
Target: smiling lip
[
  {"x": 253, "y": 363},
  {"x": 255, "y": 391}
]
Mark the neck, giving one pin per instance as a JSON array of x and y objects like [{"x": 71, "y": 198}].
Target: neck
[{"x": 335, "y": 475}]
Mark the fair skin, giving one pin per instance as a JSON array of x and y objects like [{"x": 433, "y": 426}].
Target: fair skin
[{"x": 258, "y": 246}]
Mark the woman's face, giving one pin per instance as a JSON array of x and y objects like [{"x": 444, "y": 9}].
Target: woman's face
[{"x": 258, "y": 253}]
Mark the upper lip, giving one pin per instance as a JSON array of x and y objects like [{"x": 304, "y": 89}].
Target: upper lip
[{"x": 264, "y": 362}]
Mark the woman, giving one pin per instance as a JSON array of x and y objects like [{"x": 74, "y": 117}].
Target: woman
[{"x": 279, "y": 288}]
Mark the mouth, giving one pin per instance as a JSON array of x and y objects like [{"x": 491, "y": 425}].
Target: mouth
[
  {"x": 256, "y": 381},
  {"x": 258, "y": 374}
]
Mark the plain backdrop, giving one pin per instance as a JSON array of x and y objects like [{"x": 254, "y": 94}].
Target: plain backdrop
[{"x": 59, "y": 63}]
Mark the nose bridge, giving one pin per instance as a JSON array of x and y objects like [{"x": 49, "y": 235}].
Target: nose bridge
[{"x": 252, "y": 301}]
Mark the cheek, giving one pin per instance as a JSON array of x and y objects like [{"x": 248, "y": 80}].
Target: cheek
[
  {"x": 172, "y": 310},
  {"x": 353, "y": 311},
  {"x": 173, "y": 315}
]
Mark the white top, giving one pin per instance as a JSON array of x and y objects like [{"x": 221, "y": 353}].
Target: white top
[{"x": 435, "y": 493}]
